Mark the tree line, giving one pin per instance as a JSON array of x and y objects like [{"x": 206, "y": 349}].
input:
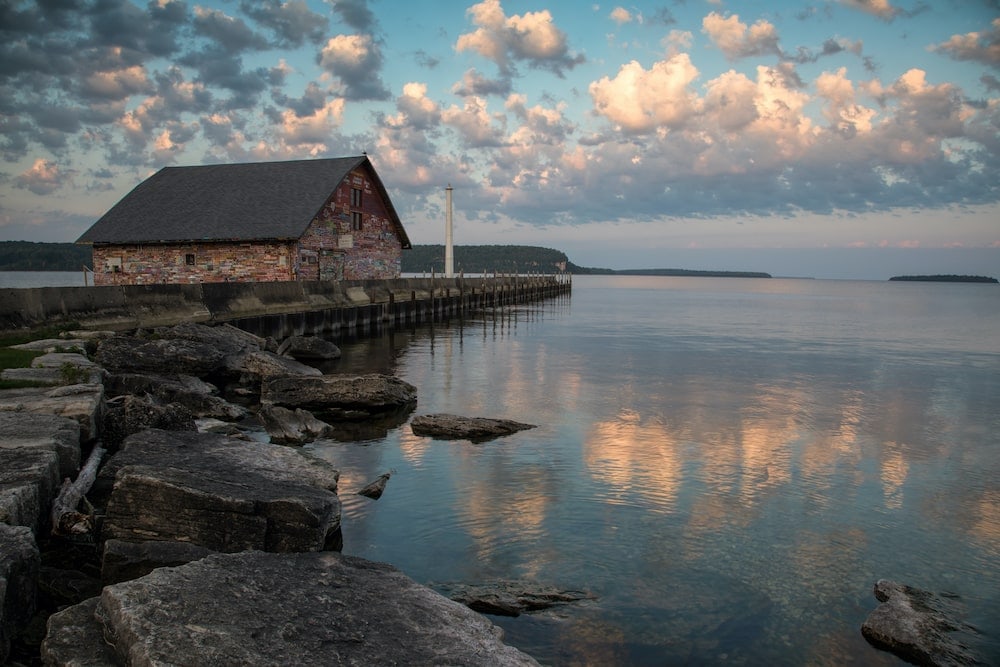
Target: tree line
[{"x": 31, "y": 256}]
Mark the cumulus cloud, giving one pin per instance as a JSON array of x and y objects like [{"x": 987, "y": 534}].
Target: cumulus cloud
[
  {"x": 416, "y": 110},
  {"x": 313, "y": 131},
  {"x": 356, "y": 14},
  {"x": 982, "y": 46},
  {"x": 356, "y": 60},
  {"x": 532, "y": 38},
  {"x": 641, "y": 100},
  {"x": 474, "y": 123},
  {"x": 737, "y": 40},
  {"x": 230, "y": 34},
  {"x": 42, "y": 178},
  {"x": 621, "y": 15}
]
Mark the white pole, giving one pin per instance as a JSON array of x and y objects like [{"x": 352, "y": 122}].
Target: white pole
[{"x": 449, "y": 250}]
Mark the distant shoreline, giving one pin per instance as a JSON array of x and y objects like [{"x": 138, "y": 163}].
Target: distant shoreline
[{"x": 946, "y": 279}]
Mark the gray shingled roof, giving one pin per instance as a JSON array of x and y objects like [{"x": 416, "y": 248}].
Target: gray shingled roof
[{"x": 225, "y": 202}]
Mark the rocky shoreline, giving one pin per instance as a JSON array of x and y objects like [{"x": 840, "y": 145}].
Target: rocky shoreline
[{"x": 191, "y": 541}]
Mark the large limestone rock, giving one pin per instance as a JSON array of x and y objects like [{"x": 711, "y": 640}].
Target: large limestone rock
[
  {"x": 29, "y": 478},
  {"x": 124, "y": 561},
  {"x": 919, "y": 626},
  {"x": 341, "y": 397},
  {"x": 256, "y": 608},
  {"x": 263, "y": 364},
  {"x": 19, "y": 563},
  {"x": 131, "y": 414},
  {"x": 198, "y": 396},
  {"x": 163, "y": 356},
  {"x": 221, "y": 493},
  {"x": 454, "y": 427},
  {"x": 309, "y": 348},
  {"x": 291, "y": 427},
  {"x": 27, "y": 429},
  {"x": 83, "y": 403}
]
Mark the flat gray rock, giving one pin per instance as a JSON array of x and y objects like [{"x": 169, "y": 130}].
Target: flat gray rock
[
  {"x": 19, "y": 563},
  {"x": 455, "y": 427},
  {"x": 919, "y": 626},
  {"x": 221, "y": 493},
  {"x": 255, "y": 608},
  {"x": 29, "y": 479},
  {"x": 28, "y": 429},
  {"x": 198, "y": 396},
  {"x": 510, "y": 597},
  {"x": 291, "y": 427},
  {"x": 80, "y": 402},
  {"x": 341, "y": 397}
]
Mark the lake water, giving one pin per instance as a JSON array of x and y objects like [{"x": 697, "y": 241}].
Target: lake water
[{"x": 728, "y": 465}]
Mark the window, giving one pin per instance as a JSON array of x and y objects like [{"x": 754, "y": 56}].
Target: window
[
  {"x": 355, "y": 197},
  {"x": 356, "y": 221},
  {"x": 189, "y": 259}
]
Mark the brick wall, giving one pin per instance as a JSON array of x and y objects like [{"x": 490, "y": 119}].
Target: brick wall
[{"x": 192, "y": 263}]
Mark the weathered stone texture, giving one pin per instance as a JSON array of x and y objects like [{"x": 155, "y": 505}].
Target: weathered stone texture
[
  {"x": 30, "y": 430},
  {"x": 223, "y": 494},
  {"x": 455, "y": 427},
  {"x": 254, "y": 608},
  {"x": 341, "y": 397},
  {"x": 19, "y": 563},
  {"x": 29, "y": 478}
]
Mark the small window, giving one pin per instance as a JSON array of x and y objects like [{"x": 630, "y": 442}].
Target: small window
[
  {"x": 189, "y": 259},
  {"x": 355, "y": 197},
  {"x": 356, "y": 221}
]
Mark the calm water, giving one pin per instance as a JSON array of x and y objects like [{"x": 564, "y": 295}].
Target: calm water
[{"x": 728, "y": 465}]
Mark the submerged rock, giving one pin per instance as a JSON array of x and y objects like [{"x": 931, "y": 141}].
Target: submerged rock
[
  {"x": 257, "y": 608},
  {"x": 376, "y": 488},
  {"x": 918, "y": 626},
  {"x": 454, "y": 427},
  {"x": 510, "y": 598}
]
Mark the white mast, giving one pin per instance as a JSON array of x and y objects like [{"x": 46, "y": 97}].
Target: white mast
[{"x": 449, "y": 251}]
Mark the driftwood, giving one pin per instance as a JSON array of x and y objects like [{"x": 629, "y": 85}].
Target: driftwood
[{"x": 66, "y": 519}]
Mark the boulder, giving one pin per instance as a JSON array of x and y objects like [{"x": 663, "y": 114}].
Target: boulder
[
  {"x": 83, "y": 403},
  {"x": 231, "y": 341},
  {"x": 198, "y": 396},
  {"x": 22, "y": 429},
  {"x": 131, "y": 414},
  {"x": 74, "y": 638},
  {"x": 54, "y": 345},
  {"x": 264, "y": 365},
  {"x": 291, "y": 427},
  {"x": 29, "y": 478},
  {"x": 309, "y": 348},
  {"x": 221, "y": 493},
  {"x": 124, "y": 561},
  {"x": 510, "y": 598},
  {"x": 19, "y": 563},
  {"x": 919, "y": 626},
  {"x": 161, "y": 356},
  {"x": 454, "y": 427},
  {"x": 341, "y": 397},
  {"x": 257, "y": 608}
]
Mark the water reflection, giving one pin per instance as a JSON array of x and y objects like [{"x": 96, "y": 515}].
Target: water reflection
[{"x": 729, "y": 469}]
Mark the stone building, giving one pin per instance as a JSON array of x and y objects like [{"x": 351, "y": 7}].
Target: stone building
[{"x": 328, "y": 219}]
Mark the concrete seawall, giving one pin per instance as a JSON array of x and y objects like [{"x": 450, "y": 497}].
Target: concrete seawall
[{"x": 280, "y": 308}]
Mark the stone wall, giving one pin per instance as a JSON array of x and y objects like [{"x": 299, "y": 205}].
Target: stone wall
[{"x": 192, "y": 263}]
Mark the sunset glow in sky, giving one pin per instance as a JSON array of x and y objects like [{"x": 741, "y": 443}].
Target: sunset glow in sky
[{"x": 834, "y": 138}]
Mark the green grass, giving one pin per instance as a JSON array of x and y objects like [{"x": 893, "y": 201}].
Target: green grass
[{"x": 16, "y": 338}]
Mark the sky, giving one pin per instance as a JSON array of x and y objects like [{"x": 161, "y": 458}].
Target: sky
[{"x": 824, "y": 138}]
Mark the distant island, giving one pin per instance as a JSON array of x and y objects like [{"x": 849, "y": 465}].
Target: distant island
[
  {"x": 947, "y": 279},
  {"x": 471, "y": 259}
]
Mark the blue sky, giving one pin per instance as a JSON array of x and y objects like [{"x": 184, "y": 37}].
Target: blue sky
[{"x": 836, "y": 138}]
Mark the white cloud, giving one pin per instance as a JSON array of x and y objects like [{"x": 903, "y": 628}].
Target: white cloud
[
  {"x": 620, "y": 15},
  {"x": 982, "y": 46},
  {"x": 736, "y": 40},
  {"x": 532, "y": 37},
  {"x": 641, "y": 100}
]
